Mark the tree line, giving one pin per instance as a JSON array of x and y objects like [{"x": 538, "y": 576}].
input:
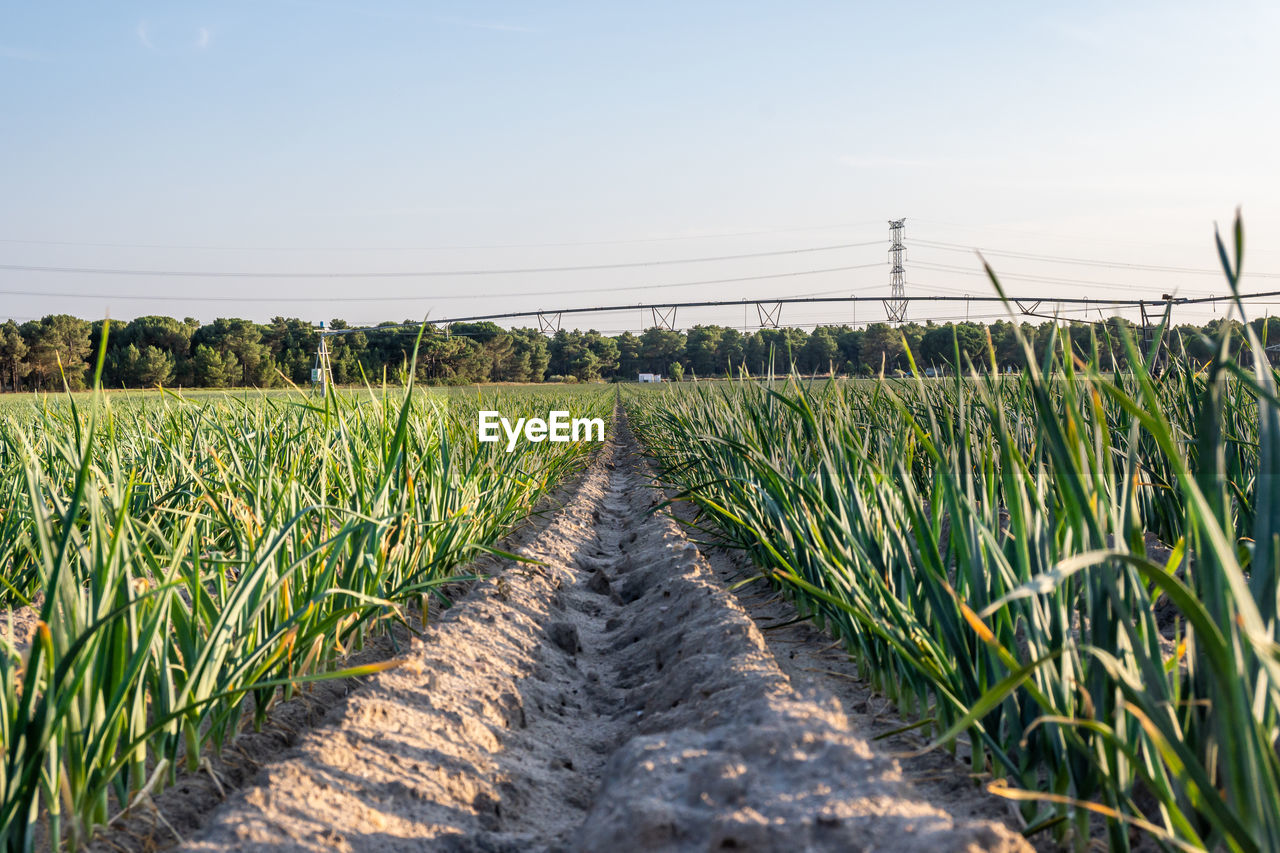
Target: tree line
[{"x": 231, "y": 352}]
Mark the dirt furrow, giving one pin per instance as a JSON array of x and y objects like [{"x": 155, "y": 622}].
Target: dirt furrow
[{"x": 615, "y": 697}]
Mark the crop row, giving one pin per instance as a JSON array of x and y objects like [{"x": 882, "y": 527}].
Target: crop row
[
  {"x": 190, "y": 563},
  {"x": 990, "y": 550}
]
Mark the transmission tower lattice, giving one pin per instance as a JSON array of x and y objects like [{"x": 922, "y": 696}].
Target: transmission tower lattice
[{"x": 896, "y": 305}]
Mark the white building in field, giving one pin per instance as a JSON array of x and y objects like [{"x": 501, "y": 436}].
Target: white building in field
[{"x": 650, "y": 377}]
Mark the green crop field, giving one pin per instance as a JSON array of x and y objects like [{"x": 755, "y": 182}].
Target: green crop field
[
  {"x": 189, "y": 560},
  {"x": 1075, "y": 571},
  {"x": 1068, "y": 577}
]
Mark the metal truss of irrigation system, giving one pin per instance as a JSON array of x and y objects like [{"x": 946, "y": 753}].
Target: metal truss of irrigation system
[
  {"x": 770, "y": 310},
  {"x": 770, "y": 313}
]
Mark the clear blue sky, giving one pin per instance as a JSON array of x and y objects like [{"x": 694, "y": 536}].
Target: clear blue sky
[{"x": 335, "y": 136}]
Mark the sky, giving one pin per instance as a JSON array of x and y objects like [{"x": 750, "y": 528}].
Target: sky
[{"x": 319, "y": 141}]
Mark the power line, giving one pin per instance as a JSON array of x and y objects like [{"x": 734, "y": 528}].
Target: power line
[
  {"x": 415, "y": 298},
  {"x": 426, "y": 273},
  {"x": 1075, "y": 239},
  {"x": 961, "y": 270},
  {"x": 940, "y": 288},
  {"x": 1088, "y": 262},
  {"x": 486, "y": 246},
  {"x": 625, "y": 288}
]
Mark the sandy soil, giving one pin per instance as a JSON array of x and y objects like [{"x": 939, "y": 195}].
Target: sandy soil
[
  {"x": 616, "y": 698},
  {"x": 181, "y": 810},
  {"x": 19, "y": 624},
  {"x": 813, "y": 660}
]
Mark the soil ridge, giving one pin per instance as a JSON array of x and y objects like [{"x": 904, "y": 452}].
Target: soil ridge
[{"x": 615, "y": 696}]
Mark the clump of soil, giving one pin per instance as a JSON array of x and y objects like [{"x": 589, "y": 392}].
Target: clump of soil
[{"x": 19, "y": 624}]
